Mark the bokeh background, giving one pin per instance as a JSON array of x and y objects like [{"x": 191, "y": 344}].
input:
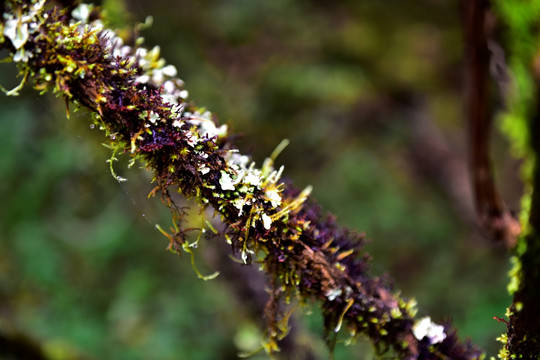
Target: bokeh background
[{"x": 370, "y": 94}]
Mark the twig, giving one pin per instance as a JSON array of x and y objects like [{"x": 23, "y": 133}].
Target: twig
[{"x": 492, "y": 214}]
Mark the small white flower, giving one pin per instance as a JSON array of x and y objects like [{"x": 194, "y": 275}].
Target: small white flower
[
  {"x": 208, "y": 128},
  {"x": 81, "y": 13},
  {"x": 426, "y": 328},
  {"x": 143, "y": 79},
  {"x": 98, "y": 25},
  {"x": 110, "y": 37},
  {"x": 157, "y": 77},
  {"x": 125, "y": 50},
  {"x": 184, "y": 94},
  {"x": 179, "y": 82},
  {"x": 169, "y": 70},
  {"x": 141, "y": 52},
  {"x": 168, "y": 87}
]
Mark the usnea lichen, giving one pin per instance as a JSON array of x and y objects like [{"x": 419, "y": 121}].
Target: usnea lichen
[{"x": 142, "y": 107}]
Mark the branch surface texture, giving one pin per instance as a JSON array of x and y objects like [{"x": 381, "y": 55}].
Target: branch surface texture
[{"x": 136, "y": 99}]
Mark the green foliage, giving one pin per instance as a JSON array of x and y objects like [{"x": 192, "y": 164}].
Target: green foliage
[{"x": 79, "y": 269}]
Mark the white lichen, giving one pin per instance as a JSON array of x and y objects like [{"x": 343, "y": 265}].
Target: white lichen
[
  {"x": 17, "y": 28},
  {"x": 153, "y": 117},
  {"x": 252, "y": 177},
  {"x": 16, "y": 32},
  {"x": 82, "y": 13},
  {"x": 273, "y": 196},
  {"x": 203, "y": 169},
  {"x": 191, "y": 138},
  {"x": 226, "y": 182},
  {"x": 206, "y": 126}
]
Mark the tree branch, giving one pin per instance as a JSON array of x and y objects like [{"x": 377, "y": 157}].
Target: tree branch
[
  {"x": 142, "y": 107},
  {"x": 492, "y": 214}
]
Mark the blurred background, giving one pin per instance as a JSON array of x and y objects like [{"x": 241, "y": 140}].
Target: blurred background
[{"x": 370, "y": 94}]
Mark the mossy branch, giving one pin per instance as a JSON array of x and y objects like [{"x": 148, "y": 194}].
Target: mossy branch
[
  {"x": 141, "y": 106},
  {"x": 521, "y": 122}
]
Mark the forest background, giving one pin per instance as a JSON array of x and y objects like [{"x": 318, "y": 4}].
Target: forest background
[{"x": 371, "y": 96}]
